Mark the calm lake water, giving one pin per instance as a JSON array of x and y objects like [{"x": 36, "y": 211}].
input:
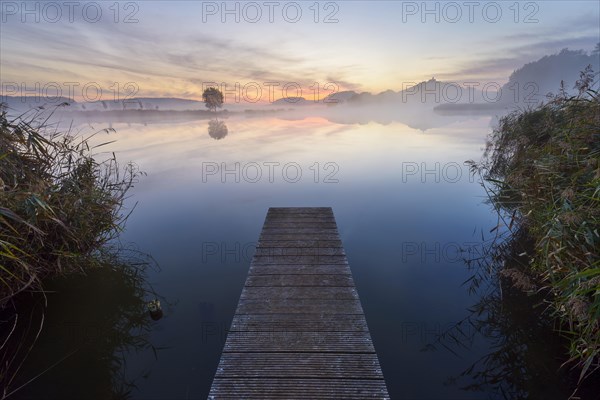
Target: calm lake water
[{"x": 404, "y": 203}]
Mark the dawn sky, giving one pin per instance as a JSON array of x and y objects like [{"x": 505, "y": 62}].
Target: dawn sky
[{"x": 170, "y": 49}]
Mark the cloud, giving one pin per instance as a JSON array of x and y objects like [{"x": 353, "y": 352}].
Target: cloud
[
  {"x": 176, "y": 59},
  {"x": 522, "y": 49}
]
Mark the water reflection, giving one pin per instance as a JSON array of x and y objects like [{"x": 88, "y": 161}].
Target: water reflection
[
  {"x": 420, "y": 118},
  {"x": 217, "y": 129},
  {"x": 89, "y": 326},
  {"x": 182, "y": 215},
  {"x": 525, "y": 353}
]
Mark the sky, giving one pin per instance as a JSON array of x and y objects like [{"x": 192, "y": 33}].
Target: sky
[{"x": 264, "y": 50}]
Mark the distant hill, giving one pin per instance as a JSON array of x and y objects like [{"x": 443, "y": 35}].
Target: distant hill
[
  {"x": 332, "y": 99},
  {"x": 536, "y": 79},
  {"x": 292, "y": 101},
  {"x": 339, "y": 97},
  {"x": 21, "y": 104},
  {"x": 427, "y": 93},
  {"x": 18, "y": 104}
]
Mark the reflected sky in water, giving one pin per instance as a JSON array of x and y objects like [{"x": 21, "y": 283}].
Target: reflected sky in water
[
  {"x": 408, "y": 214},
  {"x": 403, "y": 200}
]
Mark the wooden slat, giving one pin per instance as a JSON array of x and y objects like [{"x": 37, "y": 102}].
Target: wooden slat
[
  {"x": 284, "y": 341},
  {"x": 321, "y": 322},
  {"x": 300, "y": 223},
  {"x": 280, "y": 236},
  {"x": 300, "y": 231},
  {"x": 299, "y": 260},
  {"x": 307, "y": 292},
  {"x": 309, "y": 389},
  {"x": 300, "y": 280},
  {"x": 288, "y": 213},
  {"x": 300, "y": 210},
  {"x": 300, "y": 269},
  {"x": 299, "y": 251},
  {"x": 295, "y": 306},
  {"x": 299, "y": 331},
  {"x": 299, "y": 365},
  {"x": 299, "y": 243}
]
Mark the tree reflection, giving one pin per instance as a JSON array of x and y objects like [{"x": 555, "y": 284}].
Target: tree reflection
[
  {"x": 217, "y": 129},
  {"x": 86, "y": 325}
]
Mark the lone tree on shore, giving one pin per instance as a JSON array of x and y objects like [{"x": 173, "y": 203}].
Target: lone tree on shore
[{"x": 213, "y": 98}]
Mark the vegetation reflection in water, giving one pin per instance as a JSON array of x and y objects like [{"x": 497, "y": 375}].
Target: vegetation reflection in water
[
  {"x": 525, "y": 354},
  {"x": 89, "y": 324}
]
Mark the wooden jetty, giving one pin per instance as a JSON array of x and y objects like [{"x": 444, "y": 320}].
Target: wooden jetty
[{"x": 299, "y": 331}]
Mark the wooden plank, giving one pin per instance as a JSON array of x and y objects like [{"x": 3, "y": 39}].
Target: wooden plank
[
  {"x": 293, "y": 228},
  {"x": 299, "y": 243},
  {"x": 309, "y": 389},
  {"x": 291, "y": 236},
  {"x": 300, "y": 223},
  {"x": 300, "y": 280},
  {"x": 299, "y": 210},
  {"x": 299, "y": 330},
  {"x": 308, "y": 292},
  {"x": 300, "y": 269},
  {"x": 299, "y": 251},
  {"x": 295, "y": 341},
  {"x": 295, "y": 306},
  {"x": 321, "y": 322},
  {"x": 299, "y": 365},
  {"x": 294, "y": 213},
  {"x": 300, "y": 260}
]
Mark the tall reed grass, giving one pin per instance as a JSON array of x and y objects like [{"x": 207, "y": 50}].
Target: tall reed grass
[
  {"x": 60, "y": 209},
  {"x": 541, "y": 168},
  {"x": 58, "y": 205}
]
